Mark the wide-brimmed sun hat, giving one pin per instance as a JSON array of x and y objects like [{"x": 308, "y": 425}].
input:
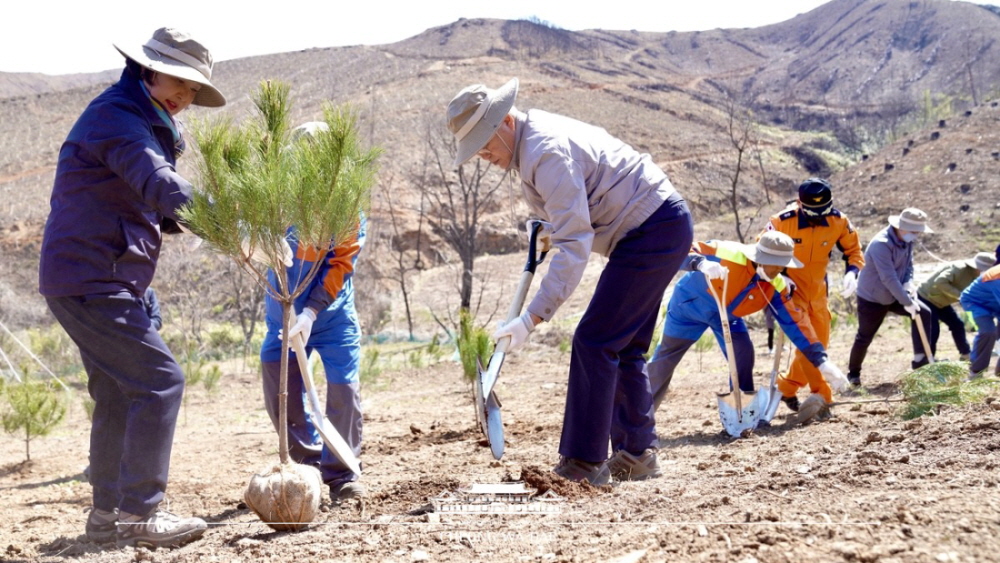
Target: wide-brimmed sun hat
[
  {"x": 982, "y": 261},
  {"x": 773, "y": 249},
  {"x": 476, "y": 113},
  {"x": 911, "y": 219},
  {"x": 175, "y": 53}
]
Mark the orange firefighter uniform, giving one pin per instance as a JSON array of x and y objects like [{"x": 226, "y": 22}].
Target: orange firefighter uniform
[{"x": 815, "y": 238}]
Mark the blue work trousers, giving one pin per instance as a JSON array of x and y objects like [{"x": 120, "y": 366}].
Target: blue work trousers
[
  {"x": 137, "y": 387},
  {"x": 982, "y": 345},
  {"x": 609, "y": 393}
]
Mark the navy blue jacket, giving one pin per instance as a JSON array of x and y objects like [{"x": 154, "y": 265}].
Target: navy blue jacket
[{"x": 115, "y": 186}]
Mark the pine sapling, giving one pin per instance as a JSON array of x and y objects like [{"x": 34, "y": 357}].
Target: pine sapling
[
  {"x": 34, "y": 407},
  {"x": 260, "y": 186}
]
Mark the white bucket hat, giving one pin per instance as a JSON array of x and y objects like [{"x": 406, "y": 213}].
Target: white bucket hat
[
  {"x": 175, "y": 53},
  {"x": 476, "y": 113},
  {"x": 983, "y": 261},
  {"x": 308, "y": 130},
  {"x": 773, "y": 249},
  {"x": 911, "y": 219}
]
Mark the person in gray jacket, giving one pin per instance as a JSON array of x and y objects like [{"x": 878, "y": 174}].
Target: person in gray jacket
[
  {"x": 886, "y": 285},
  {"x": 601, "y": 196},
  {"x": 942, "y": 289}
]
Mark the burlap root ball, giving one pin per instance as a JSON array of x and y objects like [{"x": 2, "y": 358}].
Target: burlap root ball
[{"x": 285, "y": 496}]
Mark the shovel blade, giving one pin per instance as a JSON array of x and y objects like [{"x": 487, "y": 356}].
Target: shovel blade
[
  {"x": 737, "y": 422},
  {"x": 480, "y": 400},
  {"x": 772, "y": 404},
  {"x": 494, "y": 426}
]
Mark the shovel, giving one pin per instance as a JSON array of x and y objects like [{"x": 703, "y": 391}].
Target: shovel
[
  {"x": 487, "y": 403},
  {"x": 923, "y": 338},
  {"x": 737, "y": 420},
  {"x": 331, "y": 437},
  {"x": 774, "y": 397}
]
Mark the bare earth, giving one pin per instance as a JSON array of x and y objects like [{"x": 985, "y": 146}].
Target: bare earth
[{"x": 864, "y": 486}]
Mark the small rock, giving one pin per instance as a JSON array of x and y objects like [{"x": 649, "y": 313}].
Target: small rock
[
  {"x": 414, "y": 429},
  {"x": 419, "y": 555},
  {"x": 702, "y": 530}
]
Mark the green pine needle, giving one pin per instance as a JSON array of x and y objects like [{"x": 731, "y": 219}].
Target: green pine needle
[{"x": 942, "y": 383}]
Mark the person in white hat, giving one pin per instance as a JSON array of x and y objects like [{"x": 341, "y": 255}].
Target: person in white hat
[
  {"x": 886, "y": 285},
  {"x": 116, "y": 192},
  {"x": 601, "y": 196},
  {"x": 754, "y": 283},
  {"x": 327, "y": 321},
  {"x": 942, "y": 289}
]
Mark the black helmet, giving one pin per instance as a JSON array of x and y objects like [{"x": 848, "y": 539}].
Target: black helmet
[{"x": 815, "y": 196}]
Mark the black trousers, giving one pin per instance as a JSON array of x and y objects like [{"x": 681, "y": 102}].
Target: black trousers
[
  {"x": 870, "y": 317},
  {"x": 950, "y": 318}
]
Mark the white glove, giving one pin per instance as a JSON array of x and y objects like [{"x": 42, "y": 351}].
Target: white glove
[
  {"x": 258, "y": 254},
  {"x": 915, "y": 306},
  {"x": 544, "y": 235},
  {"x": 712, "y": 270},
  {"x": 833, "y": 375},
  {"x": 850, "y": 284},
  {"x": 517, "y": 329},
  {"x": 910, "y": 290},
  {"x": 303, "y": 325}
]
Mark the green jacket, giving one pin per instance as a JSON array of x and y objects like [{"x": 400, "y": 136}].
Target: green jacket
[{"x": 944, "y": 286}]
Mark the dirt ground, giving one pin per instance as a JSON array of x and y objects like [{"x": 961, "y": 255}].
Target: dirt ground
[{"x": 863, "y": 486}]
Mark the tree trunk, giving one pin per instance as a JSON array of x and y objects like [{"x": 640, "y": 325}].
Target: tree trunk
[{"x": 287, "y": 310}]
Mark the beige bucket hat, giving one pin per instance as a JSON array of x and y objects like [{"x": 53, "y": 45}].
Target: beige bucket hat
[
  {"x": 982, "y": 261},
  {"x": 476, "y": 113},
  {"x": 911, "y": 219},
  {"x": 773, "y": 249},
  {"x": 175, "y": 53}
]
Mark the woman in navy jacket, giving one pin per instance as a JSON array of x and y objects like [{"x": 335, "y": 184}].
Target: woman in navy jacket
[{"x": 116, "y": 192}]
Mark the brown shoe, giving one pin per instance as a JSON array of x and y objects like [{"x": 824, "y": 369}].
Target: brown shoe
[
  {"x": 578, "y": 470},
  {"x": 346, "y": 491},
  {"x": 627, "y": 467}
]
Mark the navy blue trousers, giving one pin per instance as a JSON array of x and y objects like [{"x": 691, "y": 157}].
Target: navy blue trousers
[
  {"x": 609, "y": 393},
  {"x": 982, "y": 345},
  {"x": 137, "y": 386}
]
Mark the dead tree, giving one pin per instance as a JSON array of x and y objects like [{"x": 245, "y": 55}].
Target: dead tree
[
  {"x": 245, "y": 301},
  {"x": 404, "y": 260},
  {"x": 743, "y": 135},
  {"x": 457, "y": 202}
]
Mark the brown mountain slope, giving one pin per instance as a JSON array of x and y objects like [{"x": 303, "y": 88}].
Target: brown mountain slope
[
  {"x": 662, "y": 92},
  {"x": 951, "y": 170}
]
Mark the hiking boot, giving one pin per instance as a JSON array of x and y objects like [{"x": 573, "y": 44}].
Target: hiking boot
[
  {"x": 627, "y": 467},
  {"x": 346, "y": 491},
  {"x": 854, "y": 379},
  {"x": 917, "y": 364},
  {"x": 158, "y": 529},
  {"x": 791, "y": 402},
  {"x": 102, "y": 525},
  {"x": 964, "y": 358},
  {"x": 578, "y": 470}
]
